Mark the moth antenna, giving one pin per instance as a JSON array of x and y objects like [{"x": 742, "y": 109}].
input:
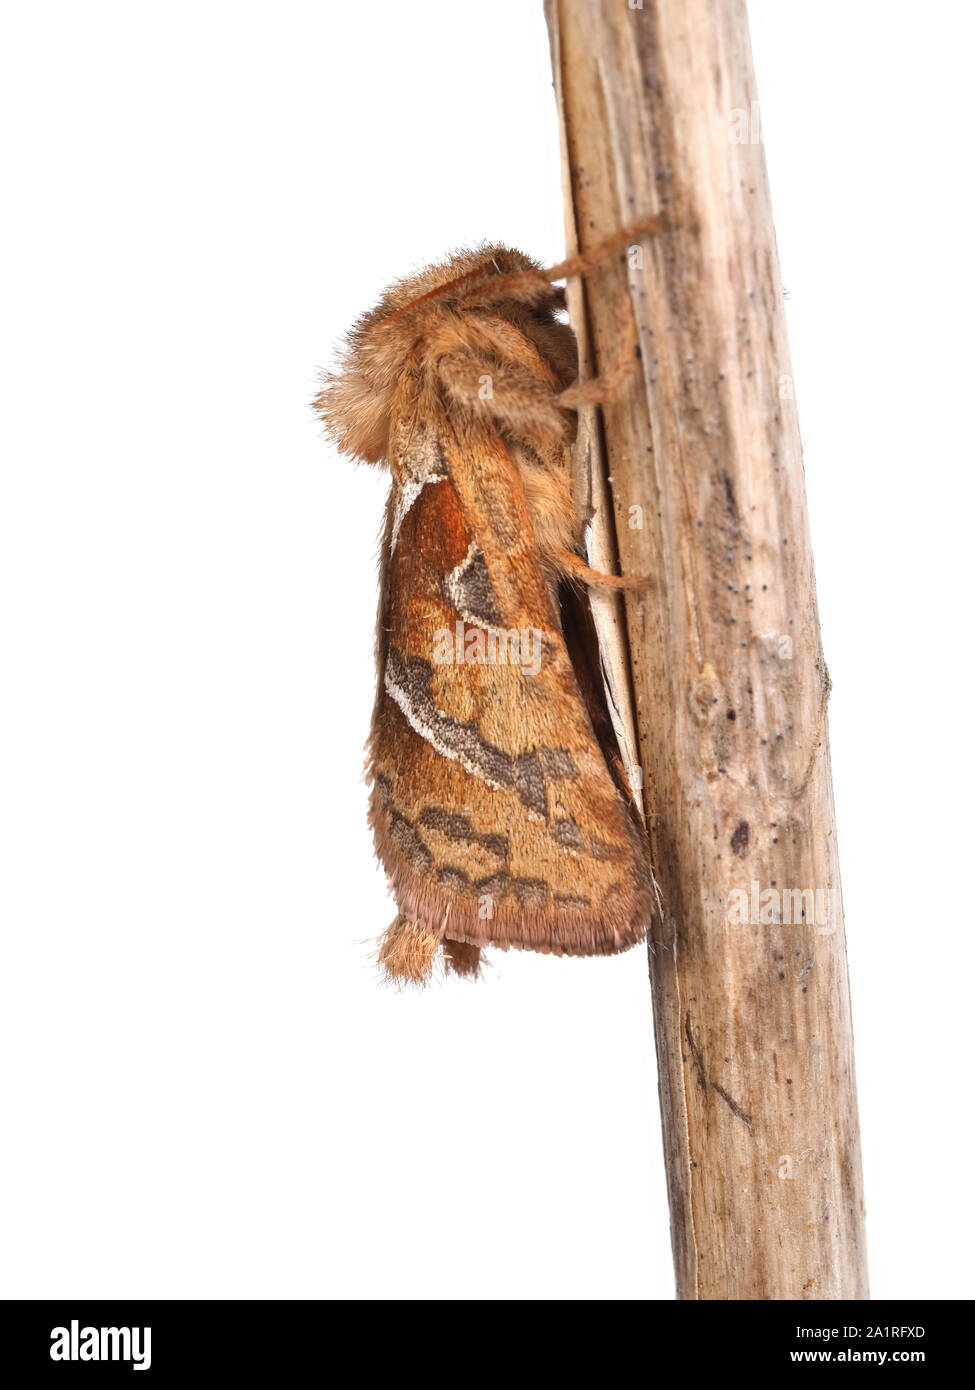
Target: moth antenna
[
  {"x": 585, "y": 261},
  {"x": 528, "y": 285},
  {"x": 438, "y": 292}
]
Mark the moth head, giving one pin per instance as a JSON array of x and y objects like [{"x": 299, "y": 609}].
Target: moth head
[{"x": 358, "y": 397}]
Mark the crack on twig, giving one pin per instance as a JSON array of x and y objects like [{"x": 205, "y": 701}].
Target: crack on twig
[
  {"x": 687, "y": 1134},
  {"x": 704, "y": 1079},
  {"x": 733, "y": 1105},
  {"x": 695, "y": 1052},
  {"x": 826, "y": 686}
]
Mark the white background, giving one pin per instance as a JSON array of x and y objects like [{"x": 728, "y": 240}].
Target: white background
[{"x": 205, "y": 1091}]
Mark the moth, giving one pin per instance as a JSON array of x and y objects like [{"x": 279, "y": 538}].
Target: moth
[{"x": 498, "y": 802}]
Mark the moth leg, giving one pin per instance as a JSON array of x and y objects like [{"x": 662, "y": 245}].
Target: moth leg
[
  {"x": 575, "y": 568},
  {"x": 407, "y": 951},
  {"x": 509, "y": 398},
  {"x": 606, "y": 389},
  {"x": 462, "y": 958}
]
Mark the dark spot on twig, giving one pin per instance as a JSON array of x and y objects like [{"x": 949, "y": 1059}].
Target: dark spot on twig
[
  {"x": 739, "y": 839},
  {"x": 729, "y": 493}
]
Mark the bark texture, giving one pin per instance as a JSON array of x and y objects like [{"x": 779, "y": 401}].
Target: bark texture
[{"x": 720, "y": 662}]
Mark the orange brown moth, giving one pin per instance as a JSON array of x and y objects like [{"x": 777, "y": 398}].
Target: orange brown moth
[{"x": 498, "y": 802}]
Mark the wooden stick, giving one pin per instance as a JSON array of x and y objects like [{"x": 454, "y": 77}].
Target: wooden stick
[{"x": 721, "y": 657}]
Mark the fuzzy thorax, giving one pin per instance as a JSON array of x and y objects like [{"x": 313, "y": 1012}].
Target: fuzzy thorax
[{"x": 430, "y": 318}]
